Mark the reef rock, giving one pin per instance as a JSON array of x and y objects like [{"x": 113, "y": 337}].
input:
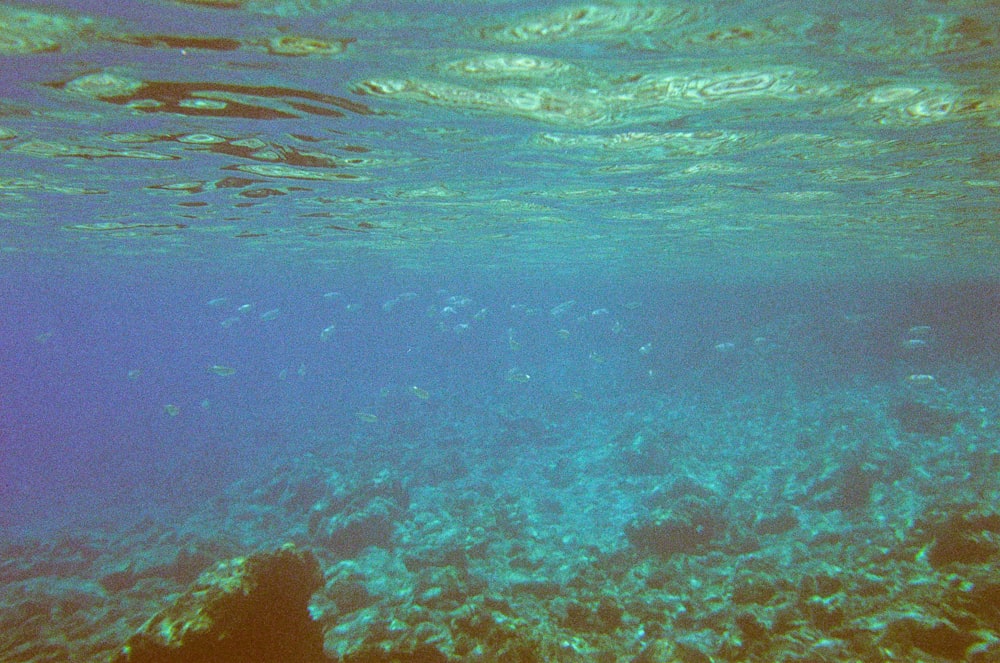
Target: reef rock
[
  {"x": 922, "y": 419},
  {"x": 249, "y": 609},
  {"x": 687, "y": 527},
  {"x": 359, "y": 516}
]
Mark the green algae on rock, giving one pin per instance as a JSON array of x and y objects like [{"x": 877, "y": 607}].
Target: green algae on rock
[{"x": 246, "y": 609}]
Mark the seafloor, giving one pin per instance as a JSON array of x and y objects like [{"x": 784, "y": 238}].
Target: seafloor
[{"x": 848, "y": 524}]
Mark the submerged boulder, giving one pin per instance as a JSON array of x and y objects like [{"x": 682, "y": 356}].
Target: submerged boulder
[
  {"x": 249, "y": 610},
  {"x": 922, "y": 419},
  {"x": 647, "y": 453},
  {"x": 359, "y": 516},
  {"x": 962, "y": 534},
  {"x": 688, "y": 526}
]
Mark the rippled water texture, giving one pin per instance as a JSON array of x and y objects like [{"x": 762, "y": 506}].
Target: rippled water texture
[{"x": 691, "y": 135}]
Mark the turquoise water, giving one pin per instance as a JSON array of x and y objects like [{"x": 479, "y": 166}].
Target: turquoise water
[{"x": 620, "y": 327}]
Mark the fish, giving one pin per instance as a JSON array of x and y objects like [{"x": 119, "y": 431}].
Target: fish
[
  {"x": 512, "y": 342},
  {"x": 224, "y": 371},
  {"x": 366, "y": 417},
  {"x": 515, "y": 375},
  {"x": 422, "y": 394},
  {"x": 562, "y": 308}
]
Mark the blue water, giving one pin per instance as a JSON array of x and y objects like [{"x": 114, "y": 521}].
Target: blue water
[{"x": 96, "y": 353}]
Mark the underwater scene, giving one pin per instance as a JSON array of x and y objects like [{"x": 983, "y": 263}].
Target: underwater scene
[{"x": 343, "y": 331}]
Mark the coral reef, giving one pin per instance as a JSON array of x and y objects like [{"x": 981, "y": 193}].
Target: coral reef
[
  {"x": 246, "y": 609},
  {"x": 740, "y": 535}
]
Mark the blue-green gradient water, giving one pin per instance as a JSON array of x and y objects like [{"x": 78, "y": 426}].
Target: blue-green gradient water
[{"x": 489, "y": 249}]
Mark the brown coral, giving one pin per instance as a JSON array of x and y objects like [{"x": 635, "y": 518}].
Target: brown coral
[{"x": 246, "y": 609}]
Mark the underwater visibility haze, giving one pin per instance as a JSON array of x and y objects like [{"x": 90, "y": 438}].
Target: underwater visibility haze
[{"x": 622, "y": 331}]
